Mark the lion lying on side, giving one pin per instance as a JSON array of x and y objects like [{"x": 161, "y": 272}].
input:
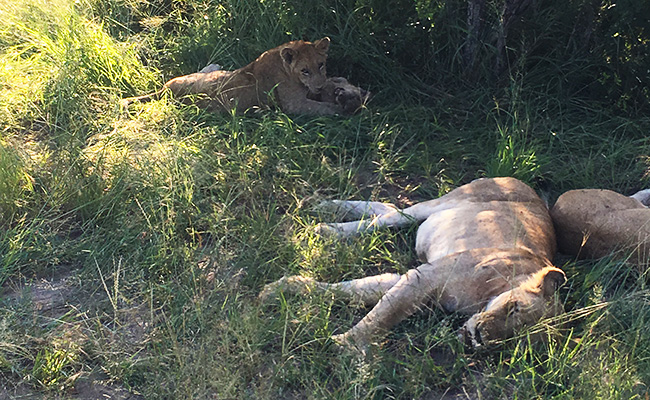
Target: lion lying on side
[
  {"x": 593, "y": 223},
  {"x": 291, "y": 75},
  {"x": 486, "y": 249}
]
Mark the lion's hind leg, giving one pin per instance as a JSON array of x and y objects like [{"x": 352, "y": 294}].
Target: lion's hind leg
[
  {"x": 365, "y": 290},
  {"x": 361, "y": 212},
  {"x": 356, "y": 209},
  {"x": 386, "y": 216}
]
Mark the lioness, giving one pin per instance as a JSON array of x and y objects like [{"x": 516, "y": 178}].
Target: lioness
[
  {"x": 593, "y": 223},
  {"x": 283, "y": 75},
  {"x": 485, "y": 248}
]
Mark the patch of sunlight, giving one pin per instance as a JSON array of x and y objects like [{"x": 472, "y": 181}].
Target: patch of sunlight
[
  {"x": 144, "y": 144},
  {"x": 21, "y": 84}
]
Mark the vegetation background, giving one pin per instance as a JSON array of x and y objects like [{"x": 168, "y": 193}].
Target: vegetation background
[{"x": 133, "y": 244}]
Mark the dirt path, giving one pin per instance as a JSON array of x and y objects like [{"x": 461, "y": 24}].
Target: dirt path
[{"x": 64, "y": 311}]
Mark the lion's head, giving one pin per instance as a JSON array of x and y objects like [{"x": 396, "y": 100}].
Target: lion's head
[
  {"x": 522, "y": 306},
  {"x": 306, "y": 61}
]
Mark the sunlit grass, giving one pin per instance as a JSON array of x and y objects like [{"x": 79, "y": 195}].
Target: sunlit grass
[{"x": 171, "y": 219}]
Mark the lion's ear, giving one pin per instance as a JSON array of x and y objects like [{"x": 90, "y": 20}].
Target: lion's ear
[
  {"x": 322, "y": 45},
  {"x": 553, "y": 278},
  {"x": 287, "y": 54}
]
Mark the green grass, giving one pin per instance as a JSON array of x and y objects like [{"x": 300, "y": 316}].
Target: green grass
[{"x": 167, "y": 220}]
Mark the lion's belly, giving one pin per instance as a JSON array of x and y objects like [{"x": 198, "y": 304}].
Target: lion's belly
[
  {"x": 501, "y": 225},
  {"x": 219, "y": 90}
]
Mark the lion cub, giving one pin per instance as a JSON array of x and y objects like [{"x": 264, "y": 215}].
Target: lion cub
[{"x": 285, "y": 76}]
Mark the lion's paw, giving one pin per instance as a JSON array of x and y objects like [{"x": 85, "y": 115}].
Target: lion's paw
[
  {"x": 346, "y": 342},
  {"x": 291, "y": 284},
  {"x": 324, "y": 229},
  {"x": 210, "y": 68},
  {"x": 270, "y": 290}
]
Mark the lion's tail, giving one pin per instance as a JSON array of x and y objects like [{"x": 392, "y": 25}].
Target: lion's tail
[{"x": 124, "y": 103}]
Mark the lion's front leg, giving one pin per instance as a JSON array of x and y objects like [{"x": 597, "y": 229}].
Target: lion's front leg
[
  {"x": 292, "y": 99},
  {"x": 310, "y": 107},
  {"x": 411, "y": 292},
  {"x": 365, "y": 290}
]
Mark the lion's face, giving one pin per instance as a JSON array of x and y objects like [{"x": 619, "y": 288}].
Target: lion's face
[
  {"x": 306, "y": 62},
  {"x": 517, "y": 308}
]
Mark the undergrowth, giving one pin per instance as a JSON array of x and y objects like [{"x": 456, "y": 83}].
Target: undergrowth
[{"x": 168, "y": 220}]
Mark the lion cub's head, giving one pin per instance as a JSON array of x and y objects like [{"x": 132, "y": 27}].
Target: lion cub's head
[
  {"x": 306, "y": 61},
  {"x": 521, "y": 306}
]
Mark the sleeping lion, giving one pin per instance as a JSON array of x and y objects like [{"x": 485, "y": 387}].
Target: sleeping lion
[
  {"x": 485, "y": 249},
  {"x": 594, "y": 223}
]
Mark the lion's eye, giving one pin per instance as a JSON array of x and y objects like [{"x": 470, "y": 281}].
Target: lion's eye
[
  {"x": 305, "y": 71},
  {"x": 321, "y": 66}
]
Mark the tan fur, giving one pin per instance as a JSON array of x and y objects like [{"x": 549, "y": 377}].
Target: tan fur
[
  {"x": 283, "y": 76},
  {"x": 593, "y": 223},
  {"x": 489, "y": 240}
]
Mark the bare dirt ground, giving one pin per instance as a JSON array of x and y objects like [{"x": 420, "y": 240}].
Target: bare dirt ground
[{"x": 66, "y": 310}]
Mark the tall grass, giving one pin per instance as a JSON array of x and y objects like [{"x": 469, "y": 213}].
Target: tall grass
[{"x": 169, "y": 220}]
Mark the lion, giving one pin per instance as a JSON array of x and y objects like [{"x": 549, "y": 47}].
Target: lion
[
  {"x": 594, "y": 223},
  {"x": 485, "y": 249},
  {"x": 284, "y": 75},
  {"x": 336, "y": 90}
]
